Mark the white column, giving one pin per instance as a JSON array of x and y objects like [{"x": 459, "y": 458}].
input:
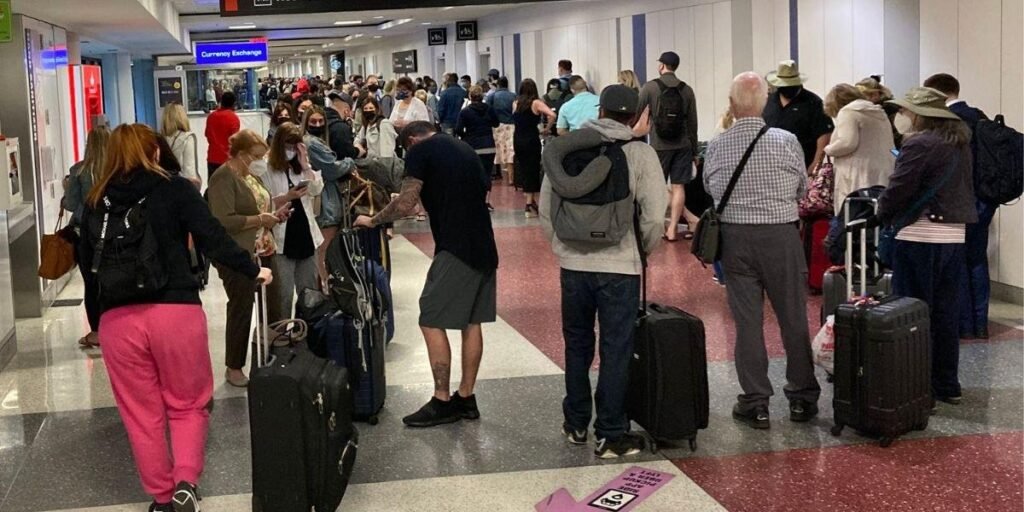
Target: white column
[
  {"x": 125, "y": 90},
  {"x": 473, "y": 60}
]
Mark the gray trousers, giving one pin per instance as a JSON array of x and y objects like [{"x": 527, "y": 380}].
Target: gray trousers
[
  {"x": 295, "y": 276},
  {"x": 762, "y": 260}
]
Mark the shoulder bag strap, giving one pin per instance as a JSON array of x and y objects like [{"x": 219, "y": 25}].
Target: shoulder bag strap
[{"x": 739, "y": 170}]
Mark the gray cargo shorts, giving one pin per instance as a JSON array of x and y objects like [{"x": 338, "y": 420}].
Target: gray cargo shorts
[{"x": 456, "y": 295}]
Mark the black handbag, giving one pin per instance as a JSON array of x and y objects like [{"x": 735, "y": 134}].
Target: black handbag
[{"x": 707, "y": 241}]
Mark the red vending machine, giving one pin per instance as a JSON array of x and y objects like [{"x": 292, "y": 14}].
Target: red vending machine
[{"x": 86, "y": 103}]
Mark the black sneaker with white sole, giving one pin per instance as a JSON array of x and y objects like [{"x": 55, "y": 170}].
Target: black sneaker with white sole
[
  {"x": 186, "y": 498},
  {"x": 161, "y": 507},
  {"x": 628, "y": 444},
  {"x": 756, "y": 418},
  {"x": 577, "y": 437},
  {"x": 466, "y": 405}
]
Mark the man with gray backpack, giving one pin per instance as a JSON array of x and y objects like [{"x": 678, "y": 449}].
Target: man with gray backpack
[
  {"x": 674, "y": 135},
  {"x": 599, "y": 185}
]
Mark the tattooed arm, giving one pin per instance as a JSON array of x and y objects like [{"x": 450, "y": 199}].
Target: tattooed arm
[{"x": 403, "y": 205}]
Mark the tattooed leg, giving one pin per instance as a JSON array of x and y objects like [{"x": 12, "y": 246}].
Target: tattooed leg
[{"x": 440, "y": 353}]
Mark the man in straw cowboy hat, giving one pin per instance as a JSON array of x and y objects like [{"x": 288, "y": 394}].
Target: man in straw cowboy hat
[{"x": 798, "y": 111}]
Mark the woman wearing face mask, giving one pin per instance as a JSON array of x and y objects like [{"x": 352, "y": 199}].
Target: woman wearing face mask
[
  {"x": 928, "y": 255},
  {"x": 242, "y": 204},
  {"x": 333, "y": 171},
  {"x": 377, "y": 137},
  {"x": 282, "y": 114},
  {"x": 292, "y": 181},
  {"x": 861, "y": 143},
  {"x": 408, "y": 108}
]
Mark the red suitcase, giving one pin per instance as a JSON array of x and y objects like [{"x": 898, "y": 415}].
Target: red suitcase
[{"x": 814, "y": 233}]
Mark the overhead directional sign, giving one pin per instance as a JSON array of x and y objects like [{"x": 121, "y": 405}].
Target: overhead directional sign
[
  {"x": 237, "y": 52},
  {"x": 437, "y": 36},
  {"x": 257, "y": 7}
]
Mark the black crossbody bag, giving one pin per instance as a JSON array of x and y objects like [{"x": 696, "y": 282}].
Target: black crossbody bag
[{"x": 707, "y": 241}]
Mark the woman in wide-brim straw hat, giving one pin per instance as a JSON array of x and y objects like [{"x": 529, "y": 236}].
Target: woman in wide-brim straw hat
[{"x": 930, "y": 199}]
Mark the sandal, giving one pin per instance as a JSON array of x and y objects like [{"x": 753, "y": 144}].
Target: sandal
[
  {"x": 688, "y": 235},
  {"x": 85, "y": 343},
  {"x": 667, "y": 239}
]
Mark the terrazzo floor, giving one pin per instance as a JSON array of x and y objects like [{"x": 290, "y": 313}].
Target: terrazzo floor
[{"x": 62, "y": 445}]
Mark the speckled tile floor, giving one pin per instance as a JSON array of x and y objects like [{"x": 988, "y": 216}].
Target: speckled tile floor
[{"x": 62, "y": 445}]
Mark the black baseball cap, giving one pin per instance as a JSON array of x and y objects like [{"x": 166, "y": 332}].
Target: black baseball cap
[
  {"x": 619, "y": 98},
  {"x": 494, "y": 73},
  {"x": 342, "y": 96},
  {"x": 670, "y": 59}
]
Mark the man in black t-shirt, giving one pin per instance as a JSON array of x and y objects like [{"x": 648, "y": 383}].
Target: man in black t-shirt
[
  {"x": 460, "y": 292},
  {"x": 798, "y": 111}
]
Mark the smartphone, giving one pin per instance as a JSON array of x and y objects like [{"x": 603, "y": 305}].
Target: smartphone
[{"x": 301, "y": 185}]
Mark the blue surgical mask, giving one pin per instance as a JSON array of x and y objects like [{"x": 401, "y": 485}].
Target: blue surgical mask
[{"x": 403, "y": 94}]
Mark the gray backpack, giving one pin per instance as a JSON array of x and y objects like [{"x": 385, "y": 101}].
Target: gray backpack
[{"x": 591, "y": 201}]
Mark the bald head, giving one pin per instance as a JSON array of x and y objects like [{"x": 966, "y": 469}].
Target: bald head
[{"x": 748, "y": 95}]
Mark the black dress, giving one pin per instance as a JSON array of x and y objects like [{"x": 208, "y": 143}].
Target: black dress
[{"x": 527, "y": 146}]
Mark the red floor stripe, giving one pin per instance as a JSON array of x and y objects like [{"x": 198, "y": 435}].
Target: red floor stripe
[{"x": 969, "y": 473}]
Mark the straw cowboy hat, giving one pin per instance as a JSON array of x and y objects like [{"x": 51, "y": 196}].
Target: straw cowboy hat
[
  {"x": 787, "y": 75},
  {"x": 925, "y": 101}
]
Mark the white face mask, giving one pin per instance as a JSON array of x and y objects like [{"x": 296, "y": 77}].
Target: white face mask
[
  {"x": 258, "y": 168},
  {"x": 289, "y": 154},
  {"x": 903, "y": 123}
]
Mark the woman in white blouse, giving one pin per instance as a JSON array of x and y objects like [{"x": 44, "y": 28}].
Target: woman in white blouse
[
  {"x": 408, "y": 108},
  {"x": 290, "y": 179},
  {"x": 861, "y": 144},
  {"x": 175, "y": 128}
]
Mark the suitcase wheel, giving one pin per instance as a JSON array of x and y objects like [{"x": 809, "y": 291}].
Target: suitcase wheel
[
  {"x": 829, "y": 378},
  {"x": 373, "y": 420},
  {"x": 653, "y": 445},
  {"x": 836, "y": 430},
  {"x": 693, "y": 444},
  {"x": 885, "y": 442}
]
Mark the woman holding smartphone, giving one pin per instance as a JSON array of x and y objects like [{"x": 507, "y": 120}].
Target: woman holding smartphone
[
  {"x": 243, "y": 205},
  {"x": 292, "y": 181}
]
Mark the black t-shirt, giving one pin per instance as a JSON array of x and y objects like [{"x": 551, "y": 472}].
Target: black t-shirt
[
  {"x": 454, "y": 194},
  {"x": 804, "y": 117}
]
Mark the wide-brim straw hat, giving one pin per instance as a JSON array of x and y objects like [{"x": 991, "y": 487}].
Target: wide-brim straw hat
[
  {"x": 925, "y": 101},
  {"x": 787, "y": 75}
]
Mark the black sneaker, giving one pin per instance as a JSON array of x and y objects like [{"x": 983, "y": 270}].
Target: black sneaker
[
  {"x": 435, "y": 412},
  {"x": 754, "y": 418},
  {"x": 951, "y": 400},
  {"x": 466, "y": 406},
  {"x": 186, "y": 498},
  {"x": 574, "y": 436},
  {"x": 802, "y": 411},
  {"x": 161, "y": 507},
  {"x": 628, "y": 444}
]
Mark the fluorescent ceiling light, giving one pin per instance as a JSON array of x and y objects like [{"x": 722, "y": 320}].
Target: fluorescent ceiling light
[
  {"x": 377, "y": 37},
  {"x": 378, "y": 17},
  {"x": 353, "y": 22},
  {"x": 425, "y": 23},
  {"x": 447, "y": 8},
  {"x": 395, "y": 23},
  {"x": 248, "y": 26}
]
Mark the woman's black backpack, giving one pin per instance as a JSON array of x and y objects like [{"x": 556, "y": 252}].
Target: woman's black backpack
[{"x": 126, "y": 258}]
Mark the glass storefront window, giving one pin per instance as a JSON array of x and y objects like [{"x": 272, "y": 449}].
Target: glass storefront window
[{"x": 205, "y": 87}]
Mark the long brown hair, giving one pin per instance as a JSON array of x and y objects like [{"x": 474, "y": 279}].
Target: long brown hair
[
  {"x": 527, "y": 95},
  {"x": 310, "y": 112},
  {"x": 131, "y": 149},
  {"x": 951, "y": 131},
  {"x": 287, "y": 133},
  {"x": 840, "y": 96},
  {"x": 96, "y": 152}
]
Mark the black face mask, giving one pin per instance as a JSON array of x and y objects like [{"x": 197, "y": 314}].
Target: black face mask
[
  {"x": 790, "y": 92},
  {"x": 315, "y": 131},
  {"x": 372, "y": 87},
  {"x": 369, "y": 116}
]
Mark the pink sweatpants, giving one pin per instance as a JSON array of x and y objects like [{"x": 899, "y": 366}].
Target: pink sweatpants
[{"x": 158, "y": 359}]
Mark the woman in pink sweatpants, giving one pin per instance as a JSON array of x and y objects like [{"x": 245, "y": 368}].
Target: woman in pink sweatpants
[{"x": 152, "y": 326}]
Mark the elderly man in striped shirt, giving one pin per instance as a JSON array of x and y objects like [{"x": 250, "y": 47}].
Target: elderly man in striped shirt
[{"x": 762, "y": 253}]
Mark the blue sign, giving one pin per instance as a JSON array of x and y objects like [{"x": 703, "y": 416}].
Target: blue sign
[
  {"x": 53, "y": 57},
  {"x": 240, "y": 52}
]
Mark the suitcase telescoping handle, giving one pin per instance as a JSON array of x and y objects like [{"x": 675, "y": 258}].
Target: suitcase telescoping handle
[
  {"x": 862, "y": 226},
  {"x": 262, "y": 327}
]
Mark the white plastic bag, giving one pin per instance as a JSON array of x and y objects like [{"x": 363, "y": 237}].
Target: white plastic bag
[{"x": 824, "y": 345}]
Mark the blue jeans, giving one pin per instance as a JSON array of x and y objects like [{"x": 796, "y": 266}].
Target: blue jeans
[
  {"x": 614, "y": 300},
  {"x": 719, "y": 272},
  {"x": 932, "y": 273},
  {"x": 975, "y": 286}
]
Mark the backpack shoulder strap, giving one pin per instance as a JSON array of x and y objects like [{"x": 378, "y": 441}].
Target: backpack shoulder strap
[{"x": 661, "y": 85}]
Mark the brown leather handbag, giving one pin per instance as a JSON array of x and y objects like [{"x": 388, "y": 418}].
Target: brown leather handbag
[
  {"x": 57, "y": 251},
  {"x": 367, "y": 197}
]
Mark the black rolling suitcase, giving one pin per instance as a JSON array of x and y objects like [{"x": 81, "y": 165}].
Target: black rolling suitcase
[
  {"x": 882, "y": 362},
  {"x": 300, "y": 417},
  {"x": 668, "y": 375}
]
